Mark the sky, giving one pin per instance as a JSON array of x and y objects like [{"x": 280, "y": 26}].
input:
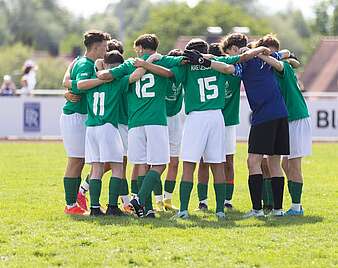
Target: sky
[{"x": 87, "y": 7}]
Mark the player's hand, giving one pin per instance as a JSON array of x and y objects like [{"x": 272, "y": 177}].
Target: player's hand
[
  {"x": 196, "y": 58},
  {"x": 104, "y": 75},
  {"x": 243, "y": 49},
  {"x": 154, "y": 57},
  {"x": 139, "y": 63},
  {"x": 69, "y": 96},
  {"x": 266, "y": 51}
]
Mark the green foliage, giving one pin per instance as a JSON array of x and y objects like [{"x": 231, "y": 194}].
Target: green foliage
[
  {"x": 335, "y": 21},
  {"x": 12, "y": 59},
  {"x": 34, "y": 230},
  {"x": 50, "y": 72},
  {"x": 169, "y": 21},
  {"x": 71, "y": 41}
]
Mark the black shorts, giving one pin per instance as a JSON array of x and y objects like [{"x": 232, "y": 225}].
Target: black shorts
[{"x": 270, "y": 138}]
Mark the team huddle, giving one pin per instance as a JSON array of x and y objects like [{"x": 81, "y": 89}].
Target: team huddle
[{"x": 120, "y": 111}]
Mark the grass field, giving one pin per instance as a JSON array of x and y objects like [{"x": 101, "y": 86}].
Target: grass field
[{"x": 35, "y": 232}]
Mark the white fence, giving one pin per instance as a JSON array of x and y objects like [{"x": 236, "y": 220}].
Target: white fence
[{"x": 37, "y": 117}]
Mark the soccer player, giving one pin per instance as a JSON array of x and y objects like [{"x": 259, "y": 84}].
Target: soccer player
[
  {"x": 103, "y": 140},
  {"x": 299, "y": 124},
  {"x": 174, "y": 99},
  {"x": 269, "y": 132},
  {"x": 203, "y": 133},
  {"x": 230, "y": 46},
  {"x": 72, "y": 121},
  {"x": 113, "y": 44},
  {"x": 148, "y": 142}
]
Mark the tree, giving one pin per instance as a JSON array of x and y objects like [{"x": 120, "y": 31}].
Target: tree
[
  {"x": 322, "y": 17},
  {"x": 335, "y": 21}
]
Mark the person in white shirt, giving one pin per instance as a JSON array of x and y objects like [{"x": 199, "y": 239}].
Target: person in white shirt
[{"x": 28, "y": 80}]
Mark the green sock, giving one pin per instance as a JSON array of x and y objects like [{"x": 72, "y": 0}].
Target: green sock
[
  {"x": 268, "y": 189},
  {"x": 169, "y": 186},
  {"x": 297, "y": 188},
  {"x": 95, "y": 186},
  {"x": 71, "y": 186},
  {"x": 79, "y": 179},
  {"x": 185, "y": 191},
  {"x": 134, "y": 188},
  {"x": 202, "y": 191},
  {"x": 124, "y": 187},
  {"x": 220, "y": 196},
  {"x": 264, "y": 193},
  {"x": 148, "y": 204},
  {"x": 229, "y": 190},
  {"x": 114, "y": 190},
  {"x": 140, "y": 181},
  {"x": 158, "y": 189},
  {"x": 290, "y": 188},
  {"x": 150, "y": 180}
]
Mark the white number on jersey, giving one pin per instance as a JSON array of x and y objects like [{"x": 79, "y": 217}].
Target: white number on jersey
[
  {"x": 98, "y": 97},
  {"x": 141, "y": 92},
  {"x": 204, "y": 84}
]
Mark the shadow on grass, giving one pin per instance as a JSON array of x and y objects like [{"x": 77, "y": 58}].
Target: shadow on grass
[{"x": 201, "y": 220}]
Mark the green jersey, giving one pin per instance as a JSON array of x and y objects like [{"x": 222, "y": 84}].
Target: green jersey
[
  {"x": 204, "y": 88},
  {"x": 292, "y": 95},
  {"x": 123, "y": 116},
  {"x": 146, "y": 97},
  {"x": 104, "y": 102},
  {"x": 232, "y": 93},
  {"x": 174, "y": 98},
  {"x": 82, "y": 69}
]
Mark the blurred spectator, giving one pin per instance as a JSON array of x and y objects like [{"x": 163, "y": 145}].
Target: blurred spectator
[
  {"x": 28, "y": 80},
  {"x": 8, "y": 87}
]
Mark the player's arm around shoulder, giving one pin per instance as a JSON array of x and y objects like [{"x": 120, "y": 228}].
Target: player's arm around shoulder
[
  {"x": 273, "y": 62},
  {"x": 153, "y": 68},
  {"x": 251, "y": 53}
]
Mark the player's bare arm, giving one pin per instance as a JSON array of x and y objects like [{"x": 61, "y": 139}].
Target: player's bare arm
[
  {"x": 251, "y": 53},
  {"x": 276, "y": 64},
  {"x": 140, "y": 71},
  {"x": 67, "y": 82},
  {"x": 153, "y": 68},
  {"x": 104, "y": 75},
  {"x": 284, "y": 53},
  {"x": 294, "y": 63},
  {"x": 87, "y": 84},
  {"x": 197, "y": 58}
]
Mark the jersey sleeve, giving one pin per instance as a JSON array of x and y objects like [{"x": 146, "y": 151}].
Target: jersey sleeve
[
  {"x": 170, "y": 61},
  {"x": 121, "y": 70},
  {"x": 125, "y": 83},
  {"x": 228, "y": 59},
  {"x": 84, "y": 72},
  {"x": 179, "y": 74}
]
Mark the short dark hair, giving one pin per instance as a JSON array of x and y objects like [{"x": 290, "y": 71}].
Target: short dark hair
[
  {"x": 215, "y": 49},
  {"x": 234, "y": 39},
  {"x": 93, "y": 36},
  {"x": 268, "y": 40},
  {"x": 198, "y": 44},
  {"x": 147, "y": 41},
  {"x": 175, "y": 52},
  {"x": 115, "y": 44},
  {"x": 112, "y": 57}
]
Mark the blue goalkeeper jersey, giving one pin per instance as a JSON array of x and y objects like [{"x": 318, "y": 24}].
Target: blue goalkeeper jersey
[{"x": 262, "y": 90}]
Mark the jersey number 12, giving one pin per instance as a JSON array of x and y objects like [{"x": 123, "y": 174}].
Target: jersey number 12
[
  {"x": 204, "y": 84},
  {"x": 141, "y": 92},
  {"x": 98, "y": 97}
]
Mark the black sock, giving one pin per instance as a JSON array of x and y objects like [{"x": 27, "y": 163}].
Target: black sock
[
  {"x": 277, "y": 184},
  {"x": 255, "y": 186}
]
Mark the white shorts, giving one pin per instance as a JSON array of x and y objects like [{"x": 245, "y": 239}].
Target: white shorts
[
  {"x": 230, "y": 140},
  {"x": 103, "y": 144},
  {"x": 300, "y": 138},
  {"x": 175, "y": 134},
  {"x": 148, "y": 145},
  {"x": 73, "y": 132},
  {"x": 123, "y": 129},
  {"x": 204, "y": 136}
]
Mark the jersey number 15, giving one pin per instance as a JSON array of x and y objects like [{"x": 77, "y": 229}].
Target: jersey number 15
[{"x": 204, "y": 85}]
